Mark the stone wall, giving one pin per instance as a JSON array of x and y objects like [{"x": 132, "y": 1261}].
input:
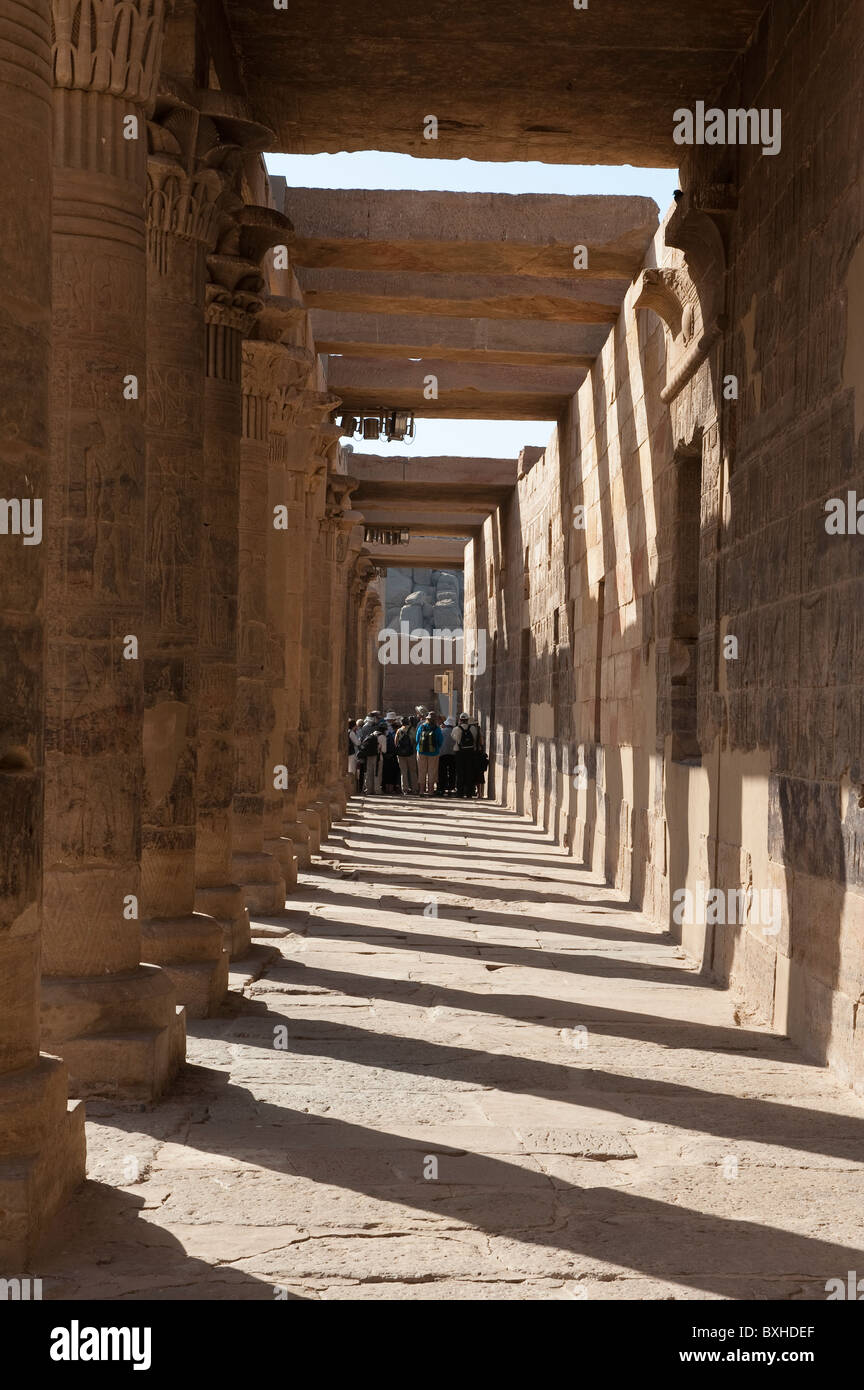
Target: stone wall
[
  {"x": 427, "y": 600},
  {"x": 666, "y": 754}
]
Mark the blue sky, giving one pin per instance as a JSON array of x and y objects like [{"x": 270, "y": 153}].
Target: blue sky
[{"x": 373, "y": 169}]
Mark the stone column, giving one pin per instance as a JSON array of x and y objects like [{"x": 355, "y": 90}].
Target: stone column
[
  {"x": 233, "y": 302},
  {"x": 291, "y": 366},
  {"x": 355, "y": 590},
  {"x": 373, "y": 621},
  {"x": 345, "y": 529},
  {"x": 259, "y": 873},
  {"x": 182, "y": 211},
  {"x": 41, "y": 1137},
  {"x": 230, "y": 315},
  {"x": 316, "y": 656},
  {"x": 296, "y": 422},
  {"x": 112, "y": 1019},
  {"x": 358, "y": 674}
]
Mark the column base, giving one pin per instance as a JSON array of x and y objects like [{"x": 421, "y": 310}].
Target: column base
[
  {"x": 283, "y": 852},
  {"x": 298, "y": 834},
  {"x": 192, "y": 953},
  {"x": 226, "y": 904},
  {"x": 121, "y": 1036},
  {"x": 261, "y": 881},
  {"x": 337, "y": 801},
  {"x": 311, "y": 819},
  {"x": 42, "y": 1156},
  {"x": 325, "y": 815}
]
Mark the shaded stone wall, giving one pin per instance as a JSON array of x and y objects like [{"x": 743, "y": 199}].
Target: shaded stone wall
[
  {"x": 664, "y": 756},
  {"x": 515, "y": 586},
  {"x": 41, "y": 1137}
]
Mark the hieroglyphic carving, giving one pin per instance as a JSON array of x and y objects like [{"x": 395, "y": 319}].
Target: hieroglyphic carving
[{"x": 95, "y": 294}]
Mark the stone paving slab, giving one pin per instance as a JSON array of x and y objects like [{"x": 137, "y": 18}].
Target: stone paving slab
[{"x": 433, "y": 1123}]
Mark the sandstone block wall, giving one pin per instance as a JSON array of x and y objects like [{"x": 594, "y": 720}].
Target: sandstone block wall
[{"x": 616, "y": 709}]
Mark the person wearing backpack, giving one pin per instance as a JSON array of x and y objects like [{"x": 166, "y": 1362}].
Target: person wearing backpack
[
  {"x": 469, "y": 750},
  {"x": 407, "y": 755},
  {"x": 429, "y": 740},
  {"x": 370, "y": 754}
]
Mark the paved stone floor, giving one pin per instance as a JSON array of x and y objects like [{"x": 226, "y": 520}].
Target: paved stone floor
[{"x": 455, "y": 992}]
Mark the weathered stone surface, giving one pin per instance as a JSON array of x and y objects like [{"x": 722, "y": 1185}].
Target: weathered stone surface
[
  {"x": 672, "y": 692},
  {"x": 297, "y": 1155},
  {"x": 502, "y": 84},
  {"x": 670, "y": 613},
  {"x": 41, "y": 1137},
  {"x": 95, "y": 624},
  {"x": 182, "y": 224}
]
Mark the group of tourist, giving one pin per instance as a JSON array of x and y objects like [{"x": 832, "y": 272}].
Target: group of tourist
[{"x": 416, "y": 755}]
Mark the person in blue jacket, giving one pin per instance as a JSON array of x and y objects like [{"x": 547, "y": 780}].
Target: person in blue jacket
[{"x": 429, "y": 740}]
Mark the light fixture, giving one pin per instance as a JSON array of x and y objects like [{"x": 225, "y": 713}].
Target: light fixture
[
  {"x": 400, "y": 425},
  {"x": 391, "y": 424},
  {"x": 371, "y": 427},
  {"x": 377, "y": 535}
]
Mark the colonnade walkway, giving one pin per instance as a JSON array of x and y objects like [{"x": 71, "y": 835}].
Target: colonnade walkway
[{"x": 492, "y": 1080}]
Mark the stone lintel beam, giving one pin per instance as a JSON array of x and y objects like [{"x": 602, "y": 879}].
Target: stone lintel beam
[
  {"x": 451, "y": 339},
  {"x": 530, "y": 234},
  {"x": 456, "y": 502},
  {"x": 444, "y": 520},
  {"x": 586, "y": 298},
  {"x": 465, "y": 390},
  {"x": 448, "y": 470},
  {"x": 425, "y": 552}
]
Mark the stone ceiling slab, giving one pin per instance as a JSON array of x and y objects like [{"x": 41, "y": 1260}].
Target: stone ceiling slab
[
  {"x": 466, "y": 390},
  {"x": 450, "y": 470},
  {"x": 588, "y": 300},
  {"x": 505, "y": 79},
  {"x": 439, "y": 492},
  {"x": 451, "y": 339},
  {"x": 527, "y": 234},
  {"x": 407, "y": 513}
]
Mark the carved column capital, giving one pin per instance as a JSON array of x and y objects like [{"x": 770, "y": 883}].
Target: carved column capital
[
  {"x": 113, "y": 47},
  {"x": 318, "y": 406},
  {"x": 231, "y": 310},
  {"x": 260, "y": 361},
  {"x": 326, "y": 445},
  {"x": 339, "y": 489},
  {"x": 186, "y": 176},
  {"x": 295, "y": 407}
]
